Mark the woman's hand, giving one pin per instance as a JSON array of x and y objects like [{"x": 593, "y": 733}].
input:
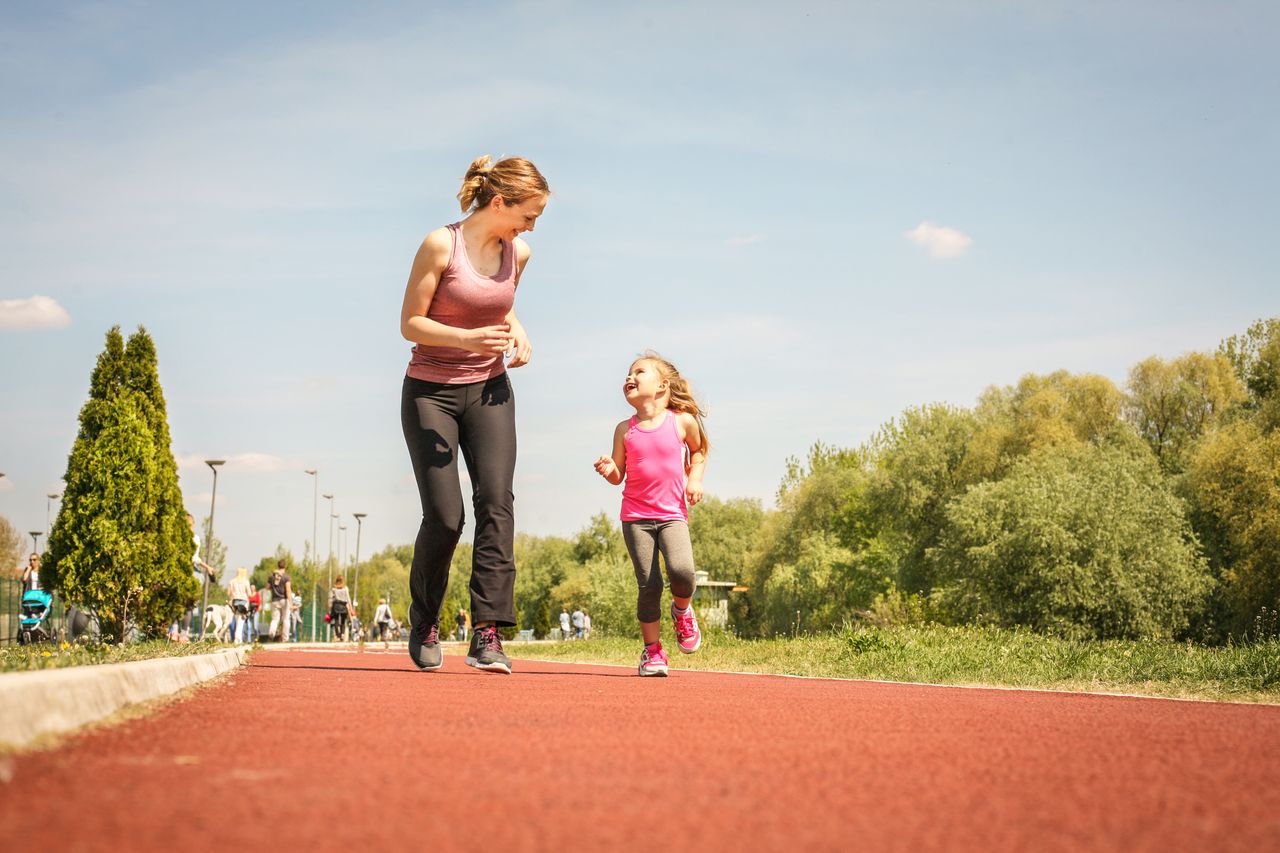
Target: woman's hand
[
  {"x": 486, "y": 340},
  {"x": 520, "y": 343},
  {"x": 693, "y": 491}
]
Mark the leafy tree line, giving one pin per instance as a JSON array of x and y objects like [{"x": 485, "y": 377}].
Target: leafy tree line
[{"x": 1063, "y": 503}]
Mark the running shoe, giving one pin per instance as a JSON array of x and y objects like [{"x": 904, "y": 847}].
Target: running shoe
[
  {"x": 688, "y": 637},
  {"x": 486, "y": 651},
  {"x": 653, "y": 662},
  {"x": 424, "y": 646}
]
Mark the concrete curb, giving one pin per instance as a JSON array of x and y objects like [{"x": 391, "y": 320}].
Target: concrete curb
[{"x": 53, "y": 701}]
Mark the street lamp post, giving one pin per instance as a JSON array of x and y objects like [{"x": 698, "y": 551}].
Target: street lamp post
[
  {"x": 48, "y": 504},
  {"x": 315, "y": 548},
  {"x": 360, "y": 516},
  {"x": 208, "y": 539},
  {"x": 35, "y": 539},
  {"x": 328, "y": 566}
]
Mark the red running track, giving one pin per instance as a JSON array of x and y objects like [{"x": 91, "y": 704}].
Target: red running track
[{"x": 320, "y": 750}]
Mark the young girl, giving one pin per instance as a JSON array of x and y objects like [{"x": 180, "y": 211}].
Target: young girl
[{"x": 654, "y": 451}]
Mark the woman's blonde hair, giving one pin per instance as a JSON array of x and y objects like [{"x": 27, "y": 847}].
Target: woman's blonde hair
[
  {"x": 339, "y": 581},
  {"x": 680, "y": 394},
  {"x": 513, "y": 178}
]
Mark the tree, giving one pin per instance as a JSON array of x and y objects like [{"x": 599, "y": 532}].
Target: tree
[
  {"x": 1084, "y": 541},
  {"x": 1040, "y": 413},
  {"x": 121, "y": 545},
  {"x": 1234, "y": 485},
  {"x": 723, "y": 534},
  {"x": 1255, "y": 355},
  {"x": 11, "y": 545},
  {"x": 920, "y": 462},
  {"x": 1172, "y": 404}
]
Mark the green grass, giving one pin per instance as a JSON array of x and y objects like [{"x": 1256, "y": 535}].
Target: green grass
[
  {"x": 15, "y": 658},
  {"x": 971, "y": 656}
]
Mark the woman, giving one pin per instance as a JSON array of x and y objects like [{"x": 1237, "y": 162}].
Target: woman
[
  {"x": 31, "y": 573},
  {"x": 339, "y": 607},
  {"x": 456, "y": 399}
]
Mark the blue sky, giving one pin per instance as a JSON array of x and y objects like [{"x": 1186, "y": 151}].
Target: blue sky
[{"x": 821, "y": 212}]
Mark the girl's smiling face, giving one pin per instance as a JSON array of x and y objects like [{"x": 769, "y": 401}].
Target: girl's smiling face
[{"x": 643, "y": 382}]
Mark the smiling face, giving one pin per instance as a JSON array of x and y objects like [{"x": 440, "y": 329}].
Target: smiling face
[
  {"x": 643, "y": 382},
  {"x": 515, "y": 219}
]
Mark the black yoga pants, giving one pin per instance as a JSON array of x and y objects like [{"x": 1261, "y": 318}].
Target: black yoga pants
[{"x": 478, "y": 420}]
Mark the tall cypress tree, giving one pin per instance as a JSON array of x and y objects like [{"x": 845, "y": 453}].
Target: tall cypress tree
[
  {"x": 175, "y": 544},
  {"x": 121, "y": 546}
]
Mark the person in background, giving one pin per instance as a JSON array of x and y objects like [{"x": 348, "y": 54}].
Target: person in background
[
  {"x": 255, "y": 604},
  {"x": 239, "y": 591},
  {"x": 564, "y": 625},
  {"x": 461, "y": 620},
  {"x": 576, "y": 618},
  {"x": 31, "y": 573},
  {"x": 586, "y": 624},
  {"x": 295, "y": 616},
  {"x": 339, "y": 608},
  {"x": 382, "y": 620},
  {"x": 203, "y": 573},
  {"x": 457, "y": 401},
  {"x": 281, "y": 601}
]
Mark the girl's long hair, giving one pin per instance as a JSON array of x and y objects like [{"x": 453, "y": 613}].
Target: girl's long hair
[{"x": 681, "y": 397}]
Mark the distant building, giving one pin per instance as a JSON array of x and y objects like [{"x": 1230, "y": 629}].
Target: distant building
[{"x": 711, "y": 600}]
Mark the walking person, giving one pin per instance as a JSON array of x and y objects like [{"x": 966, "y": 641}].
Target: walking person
[
  {"x": 203, "y": 573},
  {"x": 564, "y": 625},
  {"x": 576, "y": 619},
  {"x": 661, "y": 452},
  {"x": 458, "y": 401},
  {"x": 239, "y": 591},
  {"x": 461, "y": 621},
  {"x": 255, "y": 604},
  {"x": 339, "y": 608},
  {"x": 586, "y": 624},
  {"x": 281, "y": 601},
  {"x": 382, "y": 620}
]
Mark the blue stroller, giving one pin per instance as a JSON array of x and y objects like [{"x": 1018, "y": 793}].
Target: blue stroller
[{"x": 34, "y": 626}]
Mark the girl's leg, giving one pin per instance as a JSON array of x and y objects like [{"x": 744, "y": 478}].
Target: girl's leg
[
  {"x": 677, "y": 551},
  {"x": 487, "y": 435},
  {"x": 428, "y": 416},
  {"x": 641, "y": 538}
]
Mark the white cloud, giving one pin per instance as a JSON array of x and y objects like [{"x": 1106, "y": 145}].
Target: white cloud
[
  {"x": 253, "y": 463},
  {"x": 744, "y": 240},
  {"x": 37, "y": 312},
  {"x": 939, "y": 240}
]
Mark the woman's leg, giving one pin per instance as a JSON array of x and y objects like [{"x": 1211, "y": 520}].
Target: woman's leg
[
  {"x": 487, "y": 437},
  {"x": 429, "y": 417}
]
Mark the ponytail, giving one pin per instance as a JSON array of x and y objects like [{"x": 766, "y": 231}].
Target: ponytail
[{"x": 513, "y": 178}]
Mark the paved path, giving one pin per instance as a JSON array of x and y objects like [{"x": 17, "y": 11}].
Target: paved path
[{"x": 359, "y": 751}]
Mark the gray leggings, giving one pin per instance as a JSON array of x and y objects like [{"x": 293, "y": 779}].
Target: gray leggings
[{"x": 645, "y": 540}]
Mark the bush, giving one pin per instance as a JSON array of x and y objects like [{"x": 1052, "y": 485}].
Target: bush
[{"x": 1082, "y": 541}]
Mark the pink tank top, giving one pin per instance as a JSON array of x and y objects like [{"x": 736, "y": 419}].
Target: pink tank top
[
  {"x": 654, "y": 487},
  {"x": 465, "y": 299}
]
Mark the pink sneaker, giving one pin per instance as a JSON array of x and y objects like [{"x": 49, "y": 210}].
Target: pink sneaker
[
  {"x": 688, "y": 637},
  {"x": 653, "y": 662}
]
